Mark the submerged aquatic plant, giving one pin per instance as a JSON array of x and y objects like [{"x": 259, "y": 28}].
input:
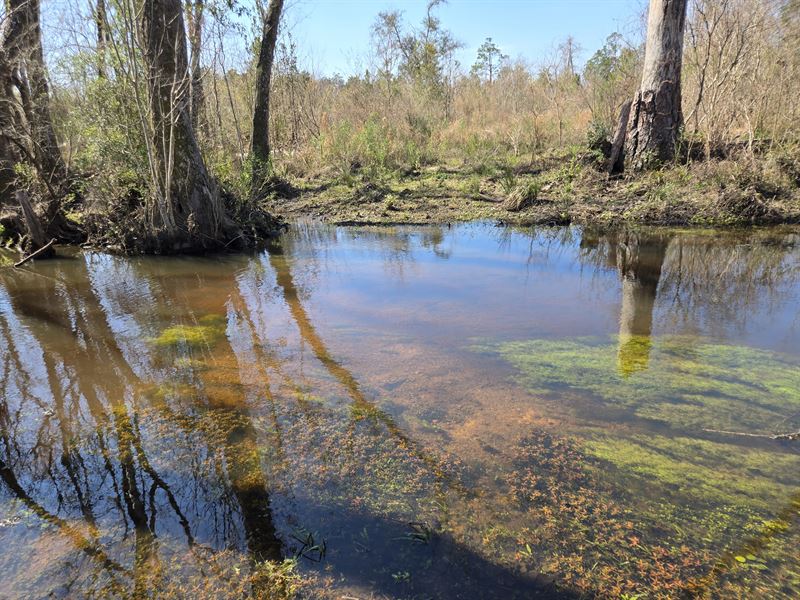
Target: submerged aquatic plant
[
  {"x": 579, "y": 525},
  {"x": 642, "y": 483},
  {"x": 662, "y": 415},
  {"x": 684, "y": 383},
  {"x": 208, "y": 330}
]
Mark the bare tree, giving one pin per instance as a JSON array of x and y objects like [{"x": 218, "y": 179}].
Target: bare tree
[
  {"x": 260, "y": 143},
  {"x": 656, "y": 117}
]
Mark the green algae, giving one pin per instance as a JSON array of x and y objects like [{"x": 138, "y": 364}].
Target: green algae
[
  {"x": 656, "y": 429},
  {"x": 208, "y": 330},
  {"x": 687, "y": 384},
  {"x": 710, "y": 471}
]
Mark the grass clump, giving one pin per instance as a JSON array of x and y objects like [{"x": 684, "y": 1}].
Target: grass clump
[
  {"x": 276, "y": 581},
  {"x": 522, "y": 196}
]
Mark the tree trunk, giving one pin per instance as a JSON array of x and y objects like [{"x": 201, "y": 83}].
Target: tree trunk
[
  {"x": 26, "y": 126},
  {"x": 260, "y": 143},
  {"x": 194, "y": 15},
  {"x": 101, "y": 24},
  {"x": 23, "y": 44},
  {"x": 188, "y": 212},
  {"x": 38, "y": 240},
  {"x": 656, "y": 117},
  {"x": 617, "y": 158}
]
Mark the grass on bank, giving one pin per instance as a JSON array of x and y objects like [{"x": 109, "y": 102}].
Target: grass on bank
[{"x": 556, "y": 187}]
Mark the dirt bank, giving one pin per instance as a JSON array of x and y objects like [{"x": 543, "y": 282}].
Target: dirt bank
[{"x": 569, "y": 187}]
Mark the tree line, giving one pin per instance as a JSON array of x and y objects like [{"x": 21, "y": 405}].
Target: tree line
[
  {"x": 144, "y": 47},
  {"x": 152, "y": 138}
]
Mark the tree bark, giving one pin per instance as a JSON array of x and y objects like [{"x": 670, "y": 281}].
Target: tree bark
[
  {"x": 260, "y": 143},
  {"x": 23, "y": 45},
  {"x": 656, "y": 116},
  {"x": 101, "y": 24},
  {"x": 188, "y": 212},
  {"x": 38, "y": 239},
  {"x": 194, "y": 16},
  {"x": 617, "y": 158}
]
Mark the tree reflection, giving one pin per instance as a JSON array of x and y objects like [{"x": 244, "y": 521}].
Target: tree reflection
[
  {"x": 703, "y": 282},
  {"x": 639, "y": 259},
  {"x": 148, "y": 417},
  {"x": 86, "y": 449}
]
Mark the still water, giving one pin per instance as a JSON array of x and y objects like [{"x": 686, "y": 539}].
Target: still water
[{"x": 466, "y": 412}]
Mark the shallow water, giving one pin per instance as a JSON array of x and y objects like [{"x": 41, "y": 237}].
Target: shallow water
[{"x": 407, "y": 413}]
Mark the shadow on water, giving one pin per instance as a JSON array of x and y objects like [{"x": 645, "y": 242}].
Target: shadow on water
[{"x": 132, "y": 428}]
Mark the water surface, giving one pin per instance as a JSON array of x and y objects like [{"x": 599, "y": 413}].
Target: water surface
[{"x": 406, "y": 413}]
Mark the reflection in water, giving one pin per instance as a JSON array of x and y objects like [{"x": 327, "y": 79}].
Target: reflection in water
[
  {"x": 174, "y": 426},
  {"x": 638, "y": 257}
]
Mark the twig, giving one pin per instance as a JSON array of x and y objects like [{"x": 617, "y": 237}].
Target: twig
[
  {"x": 35, "y": 254},
  {"x": 486, "y": 198},
  {"x": 792, "y": 436}
]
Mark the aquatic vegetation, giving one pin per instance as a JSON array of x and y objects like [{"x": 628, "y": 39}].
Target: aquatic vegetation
[
  {"x": 711, "y": 471},
  {"x": 276, "y": 581},
  {"x": 688, "y": 389},
  {"x": 208, "y": 330},
  {"x": 579, "y": 526},
  {"x": 688, "y": 384},
  {"x": 643, "y": 479}
]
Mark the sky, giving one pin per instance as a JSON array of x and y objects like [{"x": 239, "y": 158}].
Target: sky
[{"x": 333, "y": 36}]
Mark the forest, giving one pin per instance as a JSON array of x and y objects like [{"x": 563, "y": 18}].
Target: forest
[{"x": 163, "y": 127}]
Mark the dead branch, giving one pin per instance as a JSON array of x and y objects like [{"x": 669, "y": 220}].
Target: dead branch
[
  {"x": 33, "y": 255},
  {"x": 792, "y": 436}
]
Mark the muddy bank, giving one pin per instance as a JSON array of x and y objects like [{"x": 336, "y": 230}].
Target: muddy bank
[{"x": 556, "y": 189}]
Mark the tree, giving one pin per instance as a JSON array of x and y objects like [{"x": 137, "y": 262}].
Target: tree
[
  {"x": 188, "y": 212},
  {"x": 194, "y": 18},
  {"x": 26, "y": 127},
  {"x": 489, "y": 59},
  {"x": 609, "y": 79},
  {"x": 101, "y": 26},
  {"x": 656, "y": 118},
  {"x": 423, "y": 55},
  {"x": 260, "y": 143}
]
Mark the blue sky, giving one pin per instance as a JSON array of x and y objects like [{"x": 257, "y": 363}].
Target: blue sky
[{"x": 333, "y": 35}]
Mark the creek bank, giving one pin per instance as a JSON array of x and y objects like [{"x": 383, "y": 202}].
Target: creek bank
[{"x": 558, "y": 188}]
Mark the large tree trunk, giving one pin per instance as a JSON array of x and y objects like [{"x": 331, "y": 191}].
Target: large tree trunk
[
  {"x": 656, "y": 117},
  {"x": 26, "y": 126},
  {"x": 260, "y": 144},
  {"x": 188, "y": 212},
  {"x": 23, "y": 45}
]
